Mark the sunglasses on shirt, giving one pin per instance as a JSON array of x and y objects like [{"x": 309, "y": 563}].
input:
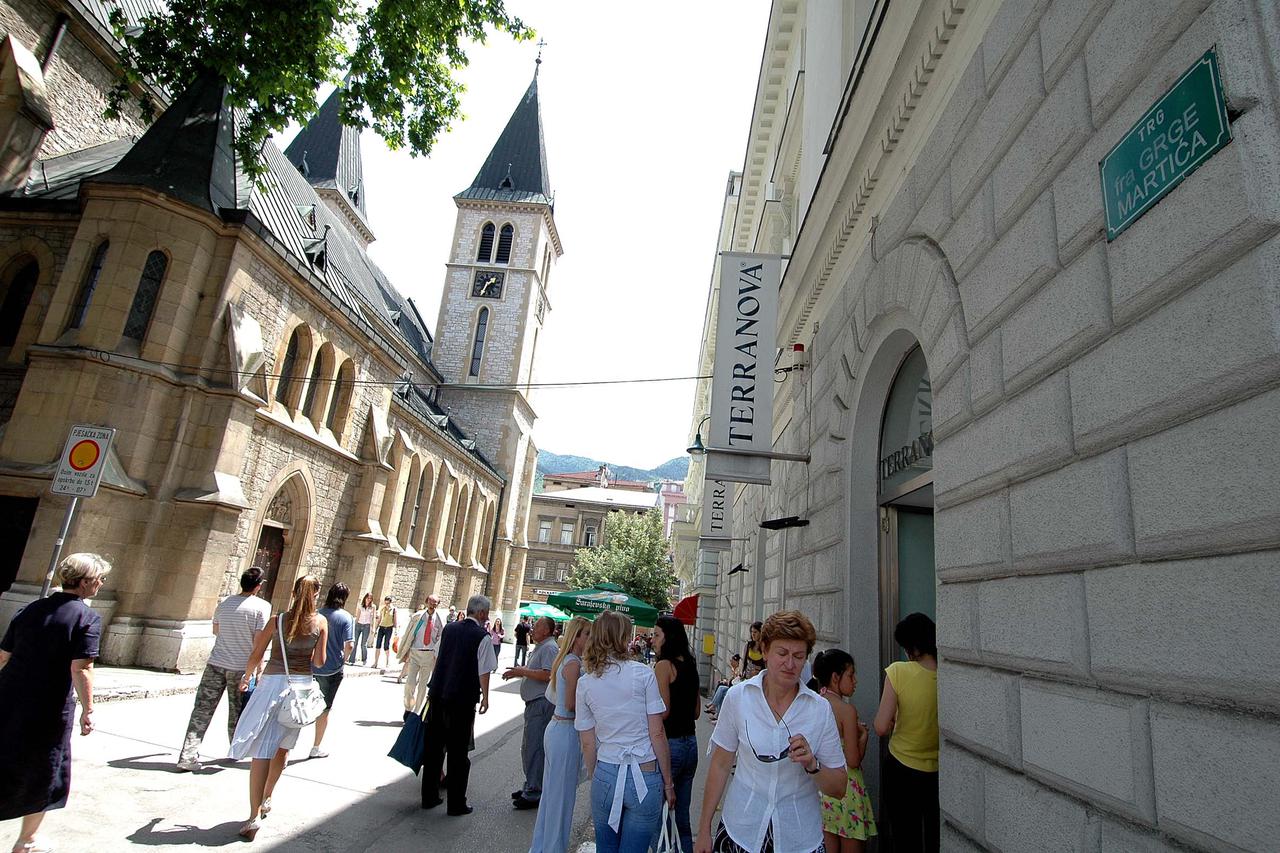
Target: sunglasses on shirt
[{"x": 770, "y": 759}]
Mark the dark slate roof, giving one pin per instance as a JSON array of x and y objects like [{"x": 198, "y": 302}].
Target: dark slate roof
[
  {"x": 516, "y": 168},
  {"x": 188, "y": 153},
  {"x": 332, "y": 153},
  {"x": 58, "y": 178}
]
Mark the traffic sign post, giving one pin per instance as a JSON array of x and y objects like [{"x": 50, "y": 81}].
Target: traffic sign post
[{"x": 78, "y": 475}]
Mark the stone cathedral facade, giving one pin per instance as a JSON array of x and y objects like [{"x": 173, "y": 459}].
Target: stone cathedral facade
[{"x": 277, "y": 401}]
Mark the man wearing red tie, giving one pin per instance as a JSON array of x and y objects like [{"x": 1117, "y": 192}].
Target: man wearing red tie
[{"x": 418, "y": 649}]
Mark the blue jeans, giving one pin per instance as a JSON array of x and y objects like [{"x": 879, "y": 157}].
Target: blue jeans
[
  {"x": 361, "y": 644},
  {"x": 640, "y": 822},
  {"x": 684, "y": 765}
]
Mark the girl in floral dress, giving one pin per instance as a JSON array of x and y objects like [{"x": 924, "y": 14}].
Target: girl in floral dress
[{"x": 846, "y": 822}]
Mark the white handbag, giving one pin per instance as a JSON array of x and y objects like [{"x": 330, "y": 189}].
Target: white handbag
[
  {"x": 304, "y": 703},
  {"x": 669, "y": 840}
]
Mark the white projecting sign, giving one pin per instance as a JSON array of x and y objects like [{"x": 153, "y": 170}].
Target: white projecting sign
[
  {"x": 716, "y": 518},
  {"x": 83, "y": 457},
  {"x": 742, "y": 381}
]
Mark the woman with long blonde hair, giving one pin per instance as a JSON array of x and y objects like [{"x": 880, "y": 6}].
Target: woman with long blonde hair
[
  {"x": 563, "y": 752},
  {"x": 623, "y": 741},
  {"x": 259, "y": 733}
]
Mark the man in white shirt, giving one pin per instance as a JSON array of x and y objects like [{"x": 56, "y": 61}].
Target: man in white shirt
[
  {"x": 418, "y": 648},
  {"x": 236, "y": 621}
]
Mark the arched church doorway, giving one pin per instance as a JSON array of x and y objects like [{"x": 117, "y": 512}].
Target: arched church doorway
[
  {"x": 905, "y": 495},
  {"x": 278, "y": 549}
]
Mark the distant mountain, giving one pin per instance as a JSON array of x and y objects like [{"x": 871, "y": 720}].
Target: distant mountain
[{"x": 554, "y": 463}]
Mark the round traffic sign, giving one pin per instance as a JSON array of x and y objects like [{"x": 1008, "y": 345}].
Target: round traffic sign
[{"x": 84, "y": 454}]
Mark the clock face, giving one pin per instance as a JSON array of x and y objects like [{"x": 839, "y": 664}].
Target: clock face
[{"x": 488, "y": 284}]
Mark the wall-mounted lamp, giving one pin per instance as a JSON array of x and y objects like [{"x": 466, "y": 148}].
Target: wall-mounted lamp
[{"x": 698, "y": 448}]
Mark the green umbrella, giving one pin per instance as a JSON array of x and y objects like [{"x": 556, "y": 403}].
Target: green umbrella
[
  {"x": 605, "y": 596},
  {"x": 536, "y": 609}
]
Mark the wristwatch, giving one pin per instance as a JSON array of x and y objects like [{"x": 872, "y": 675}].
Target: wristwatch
[{"x": 817, "y": 765}]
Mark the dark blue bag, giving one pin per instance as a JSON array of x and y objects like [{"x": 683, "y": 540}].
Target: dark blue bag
[{"x": 409, "y": 746}]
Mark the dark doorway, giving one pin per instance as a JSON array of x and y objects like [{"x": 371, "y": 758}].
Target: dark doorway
[
  {"x": 267, "y": 557},
  {"x": 16, "y": 516}
]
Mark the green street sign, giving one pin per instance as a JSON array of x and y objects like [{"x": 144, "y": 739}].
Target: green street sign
[{"x": 1187, "y": 126}]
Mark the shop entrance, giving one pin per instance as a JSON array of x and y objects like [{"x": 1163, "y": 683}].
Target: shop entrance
[
  {"x": 267, "y": 557},
  {"x": 907, "y": 575}
]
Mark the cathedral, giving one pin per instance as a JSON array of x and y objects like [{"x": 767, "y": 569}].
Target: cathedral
[{"x": 277, "y": 401}]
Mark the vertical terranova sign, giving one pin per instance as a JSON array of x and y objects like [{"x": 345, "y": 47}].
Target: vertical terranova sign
[
  {"x": 716, "y": 521},
  {"x": 742, "y": 380},
  {"x": 1187, "y": 126}
]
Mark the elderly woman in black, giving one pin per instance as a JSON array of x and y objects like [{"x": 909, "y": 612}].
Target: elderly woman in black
[{"x": 49, "y": 647}]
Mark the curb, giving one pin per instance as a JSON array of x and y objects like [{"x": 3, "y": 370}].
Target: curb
[{"x": 127, "y": 693}]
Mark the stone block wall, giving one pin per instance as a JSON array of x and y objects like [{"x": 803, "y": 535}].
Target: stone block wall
[{"x": 1107, "y": 513}]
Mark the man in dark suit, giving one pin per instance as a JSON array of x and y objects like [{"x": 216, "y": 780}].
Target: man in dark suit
[{"x": 460, "y": 679}]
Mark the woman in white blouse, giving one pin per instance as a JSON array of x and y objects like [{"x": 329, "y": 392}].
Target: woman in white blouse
[
  {"x": 624, "y": 747},
  {"x": 784, "y": 739}
]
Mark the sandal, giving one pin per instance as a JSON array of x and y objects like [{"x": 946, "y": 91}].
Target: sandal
[
  {"x": 33, "y": 846},
  {"x": 250, "y": 829},
  {"x": 264, "y": 809}
]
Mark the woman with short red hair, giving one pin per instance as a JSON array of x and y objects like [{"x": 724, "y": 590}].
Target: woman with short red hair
[{"x": 784, "y": 739}]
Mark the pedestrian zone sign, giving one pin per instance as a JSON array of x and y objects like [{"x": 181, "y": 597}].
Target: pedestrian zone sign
[{"x": 82, "y": 460}]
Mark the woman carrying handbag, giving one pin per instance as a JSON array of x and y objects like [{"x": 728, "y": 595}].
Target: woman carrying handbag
[{"x": 285, "y": 699}]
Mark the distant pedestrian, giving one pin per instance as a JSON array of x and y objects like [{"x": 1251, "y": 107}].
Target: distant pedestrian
[
  {"x": 418, "y": 649},
  {"x": 722, "y": 689},
  {"x": 908, "y": 716},
  {"x": 453, "y": 614},
  {"x": 236, "y": 621},
  {"x": 496, "y": 633},
  {"x": 47, "y": 650},
  {"x": 388, "y": 621},
  {"x": 753, "y": 655},
  {"x": 366, "y": 613},
  {"x": 624, "y": 747},
  {"x": 460, "y": 679},
  {"x": 677, "y": 677},
  {"x": 561, "y": 745},
  {"x": 259, "y": 735},
  {"x": 848, "y": 821},
  {"x": 522, "y": 630},
  {"x": 339, "y": 645},
  {"x": 784, "y": 741},
  {"x": 537, "y": 709}
]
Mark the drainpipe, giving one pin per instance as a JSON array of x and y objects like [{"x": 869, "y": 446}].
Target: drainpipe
[{"x": 59, "y": 30}]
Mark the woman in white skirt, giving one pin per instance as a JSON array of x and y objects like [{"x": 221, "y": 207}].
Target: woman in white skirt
[
  {"x": 561, "y": 746},
  {"x": 259, "y": 734}
]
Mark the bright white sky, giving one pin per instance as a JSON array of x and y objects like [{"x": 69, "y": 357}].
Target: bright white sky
[{"x": 645, "y": 108}]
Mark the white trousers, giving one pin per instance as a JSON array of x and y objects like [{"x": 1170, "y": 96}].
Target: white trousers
[{"x": 417, "y": 674}]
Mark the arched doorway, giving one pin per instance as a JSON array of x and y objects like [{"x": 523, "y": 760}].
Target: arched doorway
[
  {"x": 905, "y": 496},
  {"x": 280, "y": 541}
]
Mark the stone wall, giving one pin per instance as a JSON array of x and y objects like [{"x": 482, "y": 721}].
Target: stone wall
[{"x": 1107, "y": 593}]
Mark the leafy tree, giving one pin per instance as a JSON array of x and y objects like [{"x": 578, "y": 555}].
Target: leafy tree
[
  {"x": 399, "y": 56},
  {"x": 634, "y": 557}
]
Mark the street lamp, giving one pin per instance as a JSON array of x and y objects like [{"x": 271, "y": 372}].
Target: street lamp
[{"x": 698, "y": 448}]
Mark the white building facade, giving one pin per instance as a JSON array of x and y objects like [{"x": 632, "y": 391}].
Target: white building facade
[{"x": 1017, "y": 424}]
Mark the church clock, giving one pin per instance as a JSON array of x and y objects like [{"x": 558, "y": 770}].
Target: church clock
[{"x": 488, "y": 284}]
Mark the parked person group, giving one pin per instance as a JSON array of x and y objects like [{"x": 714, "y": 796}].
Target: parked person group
[
  {"x": 46, "y": 653},
  {"x": 236, "y": 622}
]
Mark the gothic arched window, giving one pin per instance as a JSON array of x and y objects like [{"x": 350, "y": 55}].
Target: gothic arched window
[
  {"x": 504, "y": 244},
  {"x": 144, "y": 298},
  {"x": 340, "y": 402},
  {"x": 486, "y": 244},
  {"x": 287, "y": 369},
  {"x": 477, "y": 348},
  {"x": 81, "y": 306}
]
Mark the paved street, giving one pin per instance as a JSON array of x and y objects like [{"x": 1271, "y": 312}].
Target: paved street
[{"x": 125, "y": 791}]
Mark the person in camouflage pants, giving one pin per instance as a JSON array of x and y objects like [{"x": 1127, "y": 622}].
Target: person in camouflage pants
[{"x": 236, "y": 621}]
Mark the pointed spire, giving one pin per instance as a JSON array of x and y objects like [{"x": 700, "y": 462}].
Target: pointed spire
[
  {"x": 189, "y": 153},
  {"x": 516, "y": 168},
  {"x": 327, "y": 152}
]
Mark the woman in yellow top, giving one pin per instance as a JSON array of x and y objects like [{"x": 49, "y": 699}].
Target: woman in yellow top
[
  {"x": 388, "y": 622},
  {"x": 909, "y": 710}
]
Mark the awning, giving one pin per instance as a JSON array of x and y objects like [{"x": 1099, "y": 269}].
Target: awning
[
  {"x": 687, "y": 610},
  {"x": 536, "y": 610},
  {"x": 605, "y": 596}
]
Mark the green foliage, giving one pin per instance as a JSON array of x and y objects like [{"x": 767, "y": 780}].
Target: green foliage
[
  {"x": 634, "y": 557},
  {"x": 400, "y": 56}
]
